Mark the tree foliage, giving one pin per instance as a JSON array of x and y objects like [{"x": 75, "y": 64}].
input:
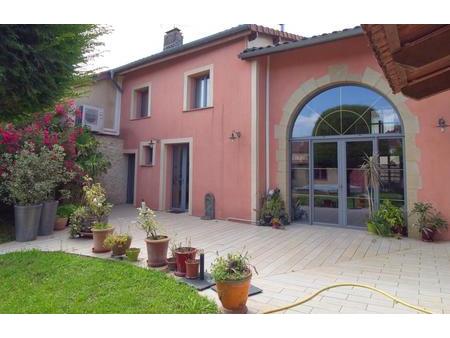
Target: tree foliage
[{"x": 42, "y": 64}]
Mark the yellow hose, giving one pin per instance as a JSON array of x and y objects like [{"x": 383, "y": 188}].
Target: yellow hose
[{"x": 307, "y": 299}]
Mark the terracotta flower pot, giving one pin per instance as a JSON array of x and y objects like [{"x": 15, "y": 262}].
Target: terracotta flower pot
[
  {"x": 233, "y": 294},
  {"x": 182, "y": 254},
  {"x": 192, "y": 266},
  {"x": 157, "y": 251},
  {"x": 99, "y": 236},
  {"x": 172, "y": 263},
  {"x": 60, "y": 223},
  {"x": 120, "y": 249}
]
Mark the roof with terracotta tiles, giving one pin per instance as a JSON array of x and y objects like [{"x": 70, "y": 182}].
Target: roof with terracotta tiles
[{"x": 301, "y": 43}]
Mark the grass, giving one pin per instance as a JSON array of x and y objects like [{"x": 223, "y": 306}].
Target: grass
[{"x": 56, "y": 282}]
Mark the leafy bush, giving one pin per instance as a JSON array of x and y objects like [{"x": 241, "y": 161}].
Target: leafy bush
[
  {"x": 386, "y": 220},
  {"x": 273, "y": 207},
  {"x": 31, "y": 177},
  {"x": 116, "y": 239},
  {"x": 79, "y": 221},
  {"x": 66, "y": 210},
  {"x": 233, "y": 267},
  {"x": 95, "y": 200},
  {"x": 147, "y": 222}
]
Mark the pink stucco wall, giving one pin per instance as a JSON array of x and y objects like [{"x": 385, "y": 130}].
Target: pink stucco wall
[
  {"x": 289, "y": 70},
  {"x": 220, "y": 166}
]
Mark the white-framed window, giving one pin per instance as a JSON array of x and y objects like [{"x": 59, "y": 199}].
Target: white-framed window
[
  {"x": 198, "y": 88},
  {"x": 147, "y": 153},
  {"x": 141, "y": 102}
]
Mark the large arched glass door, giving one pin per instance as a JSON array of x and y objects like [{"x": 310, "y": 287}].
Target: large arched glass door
[{"x": 331, "y": 136}]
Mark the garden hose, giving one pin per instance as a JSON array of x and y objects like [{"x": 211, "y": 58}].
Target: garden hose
[{"x": 307, "y": 299}]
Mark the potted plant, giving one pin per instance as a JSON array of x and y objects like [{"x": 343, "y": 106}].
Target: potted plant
[
  {"x": 232, "y": 275},
  {"x": 24, "y": 187},
  {"x": 133, "y": 254},
  {"x": 118, "y": 243},
  {"x": 192, "y": 266},
  {"x": 172, "y": 261},
  {"x": 429, "y": 221},
  {"x": 98, "y": 208},
  {"x": 387, "y": 220},
  {"x": 63, "y": 213},
  {"x": 273, "y": 207},
  {"x": 55, "y": 174},
  {"x": 157, "y": 244},
  {"x": 183, "y": 253}
]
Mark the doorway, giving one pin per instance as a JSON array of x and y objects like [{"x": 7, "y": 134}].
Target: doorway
[
  {"x": 180, "y": 177},
  {"x": 339, "y": 187},
  {"x": 131, "y": 167}
]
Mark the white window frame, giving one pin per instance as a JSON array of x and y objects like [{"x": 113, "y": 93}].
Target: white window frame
[
  {"x": 143, "y": 153},
  {"x": 189, "y": 89},
  {"x": 134, "y": 115}
]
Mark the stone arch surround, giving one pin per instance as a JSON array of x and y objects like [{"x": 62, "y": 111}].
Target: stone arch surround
[{"x": 339, "y": 74}]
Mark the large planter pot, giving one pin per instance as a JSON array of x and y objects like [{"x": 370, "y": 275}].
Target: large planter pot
[
  {"x": 120, "y": 249},
  {"x": 181, "y": 255},
  {"x": 233, "y": 294},
  {"x": 192, "y": 266},
  {"x": 26, "y": 221},
  {"x": 60, "y": 223},
  {"x": 48, "y": 218},
  {"x": 157, "y": 251},
  {"x": 99, "y": 236}
]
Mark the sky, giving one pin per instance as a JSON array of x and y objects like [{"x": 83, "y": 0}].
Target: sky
[{"x": 129, "y": 42}]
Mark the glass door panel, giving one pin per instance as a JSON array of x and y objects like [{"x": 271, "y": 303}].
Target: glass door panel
[
  {"x": 391, "y": 171},
  {"x": 326, "y": 183},
  {"x": 300, "y": 181},
  {"x": 357, "y": 197}
]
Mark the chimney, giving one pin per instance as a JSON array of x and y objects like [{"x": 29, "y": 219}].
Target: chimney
[{"x": 173, "y": 38}]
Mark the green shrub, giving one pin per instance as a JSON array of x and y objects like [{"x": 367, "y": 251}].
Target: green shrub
[
  {"x": 388, "y": 219},
  {"x": 66, "y": 210}
]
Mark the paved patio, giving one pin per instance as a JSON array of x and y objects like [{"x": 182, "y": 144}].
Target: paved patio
[{"x": 295, "y": 262}]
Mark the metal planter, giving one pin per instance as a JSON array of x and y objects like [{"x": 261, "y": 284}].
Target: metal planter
[
  {"x": 48, "y": 217},
  {"x": 26, "y": 220}
]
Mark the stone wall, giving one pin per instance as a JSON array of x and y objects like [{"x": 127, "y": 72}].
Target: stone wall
[{"x": 115, "y": 180}]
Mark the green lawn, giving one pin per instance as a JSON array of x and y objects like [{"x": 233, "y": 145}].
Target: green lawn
[{"x": 56, "y": 282}]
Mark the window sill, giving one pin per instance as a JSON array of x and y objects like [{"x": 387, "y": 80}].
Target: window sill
[
  {"x": 197, "y": 109},
  {"x": 147, "y": 165},
  {"x": 140, "y": 118}
]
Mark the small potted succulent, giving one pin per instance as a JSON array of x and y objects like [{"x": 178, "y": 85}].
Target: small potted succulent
[
  {"x": 429, "y": 221},
  {"x": 63, "y": 213},
  {"x": 118, "y": 243},
  {"x": 157, "y": 244},
  {"x": 232, "y": 275},
  {"x": 192, "y": 266},
  {"x": 99, "y": 209},
  {"x": 133, "y": 254},
  {"x": 183, "y": 253}
]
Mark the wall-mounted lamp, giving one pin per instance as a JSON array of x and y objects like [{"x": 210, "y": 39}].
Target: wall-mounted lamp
[
  {"x": 235, "y": 134},
  {"x": 442, "y": 124},
  {"x": 153, "y": 141}
]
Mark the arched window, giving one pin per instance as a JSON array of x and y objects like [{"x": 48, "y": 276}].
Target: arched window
[{"x": 346, "y": 110}]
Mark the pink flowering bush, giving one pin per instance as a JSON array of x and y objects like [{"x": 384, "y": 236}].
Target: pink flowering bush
[{"x": 52, "y": 128}]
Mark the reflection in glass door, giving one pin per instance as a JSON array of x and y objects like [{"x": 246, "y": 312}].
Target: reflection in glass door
[
  {"x": 357, "y": 199},
  {"x": 325, "y": 183}
]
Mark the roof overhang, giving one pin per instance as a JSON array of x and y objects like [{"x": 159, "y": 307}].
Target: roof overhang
[
  {"x": 415, "y": 58},
  {"x": 302, "y": 43}
]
